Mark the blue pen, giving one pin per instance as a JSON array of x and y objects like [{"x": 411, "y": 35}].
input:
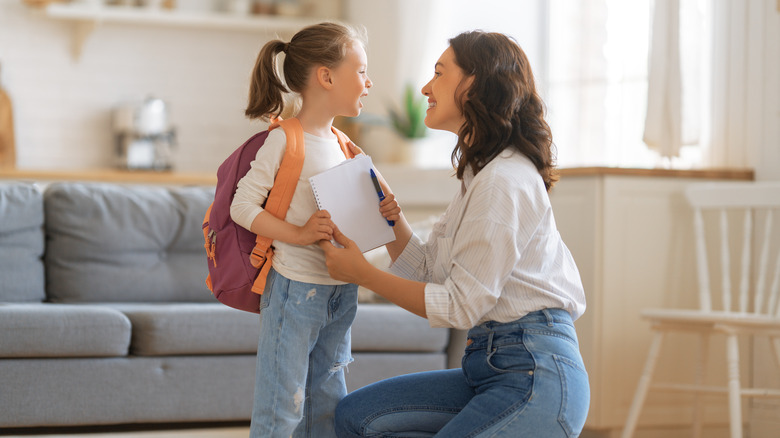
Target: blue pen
[{"x": 380, "y": 193}]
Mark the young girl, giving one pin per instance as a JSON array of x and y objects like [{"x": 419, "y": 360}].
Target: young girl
[
  {"x": 306, "y": 315},
  {"x": 494, "y": 264}
]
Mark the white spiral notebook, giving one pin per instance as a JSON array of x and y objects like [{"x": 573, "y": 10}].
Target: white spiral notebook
[{"x": 347, "y": 192}]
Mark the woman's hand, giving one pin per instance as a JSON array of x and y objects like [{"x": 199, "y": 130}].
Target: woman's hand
[
  {"x": 344, "y": 264},
  {"x": 318, "y": 227},
  {"x": 348, "y": 264}
]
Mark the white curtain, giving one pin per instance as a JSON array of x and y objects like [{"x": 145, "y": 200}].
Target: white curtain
[
  {"x": 596, "y": 83},
  {"x": 663, "y": 123},
  {"x": 735, "y": 129},
  {"x": 705, "y": 84}
]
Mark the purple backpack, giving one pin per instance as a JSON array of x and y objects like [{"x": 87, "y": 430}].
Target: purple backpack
[{"x": 239, "y": 260}]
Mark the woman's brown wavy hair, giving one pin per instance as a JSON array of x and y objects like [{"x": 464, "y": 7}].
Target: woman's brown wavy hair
[{"x": 501, "y": 107}]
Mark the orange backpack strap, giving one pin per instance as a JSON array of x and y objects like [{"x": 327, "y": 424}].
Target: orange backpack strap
[
  {"x": 281, "y": 194},
  {"x": 343, "y": 140},
  {"x": 289, "y": 171}
]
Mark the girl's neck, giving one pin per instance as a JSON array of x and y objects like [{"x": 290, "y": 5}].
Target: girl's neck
[{"x": 316, "y": 124}]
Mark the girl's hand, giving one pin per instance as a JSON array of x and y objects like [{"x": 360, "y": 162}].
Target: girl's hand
[
  {"x": 318, "y": 227},
  {"x": 355, "y": 149},
  {"x": 344, "y": 264},
  {"x": 390, "y": 208}
]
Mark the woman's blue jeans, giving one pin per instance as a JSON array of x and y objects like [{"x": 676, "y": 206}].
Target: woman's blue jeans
[
  {"x": 519, "y": 379},
  {"x": 303, "y": 349}
]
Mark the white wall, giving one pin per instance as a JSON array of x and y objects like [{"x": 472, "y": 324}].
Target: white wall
[{"x": 62, "y": 105}]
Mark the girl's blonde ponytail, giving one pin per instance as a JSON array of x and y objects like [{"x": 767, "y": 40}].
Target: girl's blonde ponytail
[{"x": 266, "y": 91}]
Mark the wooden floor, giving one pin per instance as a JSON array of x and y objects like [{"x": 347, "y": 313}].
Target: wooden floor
[{"x": 211, "y": 432}]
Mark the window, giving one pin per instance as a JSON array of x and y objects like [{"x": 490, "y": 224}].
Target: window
[
  {"x": 591, "y": 60},
  {"x": 596, "y": 86}
]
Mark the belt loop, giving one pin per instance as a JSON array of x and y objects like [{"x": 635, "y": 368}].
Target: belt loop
[
  {"x": 489, "y": 347},
  {"x": 548, "y": 316}
]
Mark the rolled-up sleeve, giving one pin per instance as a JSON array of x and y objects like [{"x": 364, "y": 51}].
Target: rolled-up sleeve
[
  {"x": 482, "y": 257},
  {"x": 411, "y": 263}
]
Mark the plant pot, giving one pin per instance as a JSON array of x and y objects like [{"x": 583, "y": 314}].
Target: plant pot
[{"x": 432, "y": 151}]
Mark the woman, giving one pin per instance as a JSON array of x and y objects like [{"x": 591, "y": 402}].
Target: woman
[{"x": 494, "y": 264}]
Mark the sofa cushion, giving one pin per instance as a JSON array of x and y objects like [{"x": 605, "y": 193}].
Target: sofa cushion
[
  {"x": 203, "y": 328},
  {"x": 387, "y": 327},
  {"x": 112, "y": 243},
  {"x": 35, "y": 330},
  {"x": 21, "y": 243},
  {"x": 190, "y": 329}
]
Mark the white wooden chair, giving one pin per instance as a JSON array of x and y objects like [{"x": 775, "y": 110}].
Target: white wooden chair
[{"x": 748, "y": 304}]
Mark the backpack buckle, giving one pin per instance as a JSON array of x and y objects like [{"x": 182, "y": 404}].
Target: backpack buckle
[{"x": 257, "y": 257}]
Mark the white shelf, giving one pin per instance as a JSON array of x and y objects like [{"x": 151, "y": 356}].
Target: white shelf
[{"x": 86, "y": 17}]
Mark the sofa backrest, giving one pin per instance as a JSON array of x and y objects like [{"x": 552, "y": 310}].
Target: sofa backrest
[
  {"x": 116, "y": 243},
  {"x": 21, "y": 243}
]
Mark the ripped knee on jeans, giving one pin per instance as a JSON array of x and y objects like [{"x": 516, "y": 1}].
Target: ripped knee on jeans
[{"x": 338, "y": 366}]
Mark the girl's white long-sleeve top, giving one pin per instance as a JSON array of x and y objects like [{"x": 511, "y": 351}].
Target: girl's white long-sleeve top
[
  {"x": 296, "y": 262},
  {"x": 495, "y": 254}
]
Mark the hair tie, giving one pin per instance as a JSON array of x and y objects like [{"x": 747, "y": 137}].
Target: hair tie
[{"x": 286, "y": 47}]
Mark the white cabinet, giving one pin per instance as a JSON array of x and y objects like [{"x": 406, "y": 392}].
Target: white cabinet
[{"x": 631, "y": 236}]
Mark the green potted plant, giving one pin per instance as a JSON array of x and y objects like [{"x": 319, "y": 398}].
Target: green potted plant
[{"x": 409, "y": 123}]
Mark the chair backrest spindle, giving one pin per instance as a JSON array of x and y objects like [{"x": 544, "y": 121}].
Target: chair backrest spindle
[
  {"x": 763, "y": 261},
  {"x": 705, "y": 301},
  {"x": 774, "y": 302},
  {"x": 725, "y": 260},
  {"x": 744, "y": 283},
  {"x": 741, "y": 216}
]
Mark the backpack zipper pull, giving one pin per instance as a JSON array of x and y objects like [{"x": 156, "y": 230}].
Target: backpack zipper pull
[{"x": 212, "y": 251}]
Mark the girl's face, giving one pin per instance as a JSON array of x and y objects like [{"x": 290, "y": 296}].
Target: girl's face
[
  {"x": 443, "y": 92},
  {"x": 351, "y": 81}
]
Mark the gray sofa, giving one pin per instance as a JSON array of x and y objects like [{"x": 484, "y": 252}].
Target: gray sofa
[{"x": 105, "y": 318}]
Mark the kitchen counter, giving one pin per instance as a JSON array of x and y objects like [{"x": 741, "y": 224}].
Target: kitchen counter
[
  {"x": 205, "y": 178},
  {"x": 111, "y": 175},
  {"x": 730, "y": 174}
]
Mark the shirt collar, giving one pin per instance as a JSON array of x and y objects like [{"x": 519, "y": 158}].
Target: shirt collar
[{"x": 468, "y": 173}]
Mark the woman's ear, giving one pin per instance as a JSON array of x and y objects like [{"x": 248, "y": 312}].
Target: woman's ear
[{"x": 324, "y": 77}]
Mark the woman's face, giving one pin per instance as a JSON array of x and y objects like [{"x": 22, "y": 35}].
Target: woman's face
[{"x": 443, "y": 112}]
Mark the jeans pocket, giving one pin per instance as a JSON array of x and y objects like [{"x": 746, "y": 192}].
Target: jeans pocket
[
  {"x": 510, "y": 358},
  {"x": 575, "y": 400}
]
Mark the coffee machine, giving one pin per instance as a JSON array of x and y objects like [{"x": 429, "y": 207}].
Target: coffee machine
[{"x": 144, "y": 136}]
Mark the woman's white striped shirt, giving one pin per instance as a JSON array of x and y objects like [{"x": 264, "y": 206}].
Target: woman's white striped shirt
[{"x": 496, "y": 253}]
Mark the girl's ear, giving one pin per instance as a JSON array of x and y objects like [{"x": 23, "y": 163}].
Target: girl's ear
[{"x": 324, "y": 77}]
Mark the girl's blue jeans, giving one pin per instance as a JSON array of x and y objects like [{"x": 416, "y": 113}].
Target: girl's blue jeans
[
  {"x": 519, "y": 379},
  {"x": 303, "y": 349}
]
